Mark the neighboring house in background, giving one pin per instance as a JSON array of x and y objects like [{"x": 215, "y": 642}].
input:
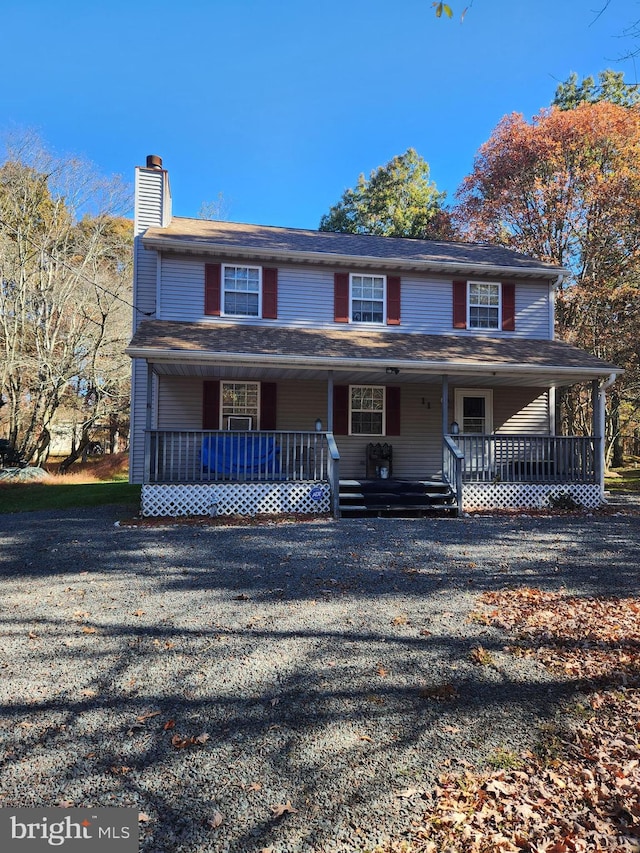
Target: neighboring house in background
[{"x": 285, "y": 370}]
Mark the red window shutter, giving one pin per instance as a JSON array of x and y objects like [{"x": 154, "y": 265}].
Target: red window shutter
[
  {"x": 268, "y": 405},
  {"x": 212, "y": 290},
  {"x": 341, "y": 409},
  {"x": 393, "y": 300},
  {"x": 270, "y": 294},
  {"x": 508, "y": 307},
  {"x": 392, "y": 411},
  {"x": 210, "y": 404},
  {"x": 459, "y": 304},
  {"x": 341, "y": 297}
]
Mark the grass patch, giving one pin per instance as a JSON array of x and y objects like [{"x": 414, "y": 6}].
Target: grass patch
[
  {"x": 28, "y": 497},
  {"x": 96, "y": 482},
  {"x": 623, "y": 479}
]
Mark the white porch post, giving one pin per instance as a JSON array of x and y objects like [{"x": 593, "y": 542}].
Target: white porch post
[
  {"x": 445, "y": 414},
  {"x": 147, "y": 423},
  {"x": 330, "y": 401},
  {"x": 445, "y": 405},
  {"x": 599, "y": 393}
]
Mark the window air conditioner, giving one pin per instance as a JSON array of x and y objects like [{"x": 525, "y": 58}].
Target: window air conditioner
[{"x": 239, "y": 424}]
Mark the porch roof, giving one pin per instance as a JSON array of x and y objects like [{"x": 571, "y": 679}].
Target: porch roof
[
  {"x": 250, "y": 347},
  {"x": 267, "y": 243}
]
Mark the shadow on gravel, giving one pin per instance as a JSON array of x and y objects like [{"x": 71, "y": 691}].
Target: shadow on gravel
[
  {"x": 330, "y": 666},
  {"x": 591, "y": 555}
]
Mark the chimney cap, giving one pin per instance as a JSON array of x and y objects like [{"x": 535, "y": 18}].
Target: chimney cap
[{"x": 154, "y": 161}]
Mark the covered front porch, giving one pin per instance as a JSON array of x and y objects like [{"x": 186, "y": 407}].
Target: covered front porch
[
  {"x": 204, "y": 472},
  {"x": 475, "y": 416}
]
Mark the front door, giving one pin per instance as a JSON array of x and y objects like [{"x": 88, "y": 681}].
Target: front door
[{"x": 474, "y": 415}]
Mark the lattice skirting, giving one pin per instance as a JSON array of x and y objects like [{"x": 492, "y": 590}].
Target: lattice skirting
[
  {"x": 526, "y": 495},
  {"x": 235, "y": 499}
]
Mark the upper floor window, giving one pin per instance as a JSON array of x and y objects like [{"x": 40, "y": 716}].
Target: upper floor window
[
  {"x": 367, "y": 298},
  {"x": 484, "y": 305},
  {"x": 241, "y": 291},
  {"x": 367, "y": 410}
]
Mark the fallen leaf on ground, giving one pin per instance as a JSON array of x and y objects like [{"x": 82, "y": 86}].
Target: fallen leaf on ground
[
  {"x": 144, "y": 717},
  {"x": 578, "y": 790},
  {"x": 215, "y": 820},
  {"x": 180, "y": 742},
  {"x": 440, "y": 692},
  {"x": 283, "y": 808}
]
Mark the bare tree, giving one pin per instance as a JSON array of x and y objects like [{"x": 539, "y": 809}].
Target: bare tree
[{"x": 64, "y": 281}]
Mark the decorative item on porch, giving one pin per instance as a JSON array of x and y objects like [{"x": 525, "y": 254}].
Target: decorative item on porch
[{"x": 379, "y": 460}]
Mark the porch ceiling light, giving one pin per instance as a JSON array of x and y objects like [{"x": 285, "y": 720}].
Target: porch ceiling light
[{"x": 394, "y": 370}]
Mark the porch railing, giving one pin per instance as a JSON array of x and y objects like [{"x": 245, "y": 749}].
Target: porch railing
[
  {"x": 527, "y": 458},
  {"x": 452, "y": 461},
  {"x": 195, "y": 456}
]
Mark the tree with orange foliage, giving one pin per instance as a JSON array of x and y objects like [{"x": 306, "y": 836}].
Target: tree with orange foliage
[{"x": 565, "y": 188}]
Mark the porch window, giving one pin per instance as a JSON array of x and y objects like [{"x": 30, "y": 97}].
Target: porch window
[
  {"x": 240, "y": 405},
  {"x": 484, "y": 305},
  {"x": 367, "y": 298},
  {"x": 241, "y": 291},
  {"x": 367, "y": 410}
]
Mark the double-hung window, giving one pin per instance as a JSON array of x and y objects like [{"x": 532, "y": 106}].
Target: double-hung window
[
  {"x": 368, "y": 298},
  {"x": 241, "y": 291},
  {"x": 240, "y": 405},
  {"x": 484, "y": 305},
  {"x": 367, "y": 410}
]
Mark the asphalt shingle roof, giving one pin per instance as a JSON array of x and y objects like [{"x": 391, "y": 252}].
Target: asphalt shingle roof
[
  {"x": 266, "y": 239},
  {"x": 179, "y": 338}
]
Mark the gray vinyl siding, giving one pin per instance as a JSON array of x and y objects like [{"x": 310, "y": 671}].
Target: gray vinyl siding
[
  {"x": 181, "y": 289},
  {"x": 179, "y": 403},
  {"x": 517, "y": 410},
  {"x": 305, "y": 298}
]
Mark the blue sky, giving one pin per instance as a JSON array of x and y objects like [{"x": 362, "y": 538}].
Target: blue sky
[{"x": 281, "y": 105}]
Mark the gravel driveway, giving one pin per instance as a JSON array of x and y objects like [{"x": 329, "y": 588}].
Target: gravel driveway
[{"x": 211, "y": 674}]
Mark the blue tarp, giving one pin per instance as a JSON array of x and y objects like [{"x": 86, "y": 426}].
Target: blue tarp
[{"x": 235, "y": 454}]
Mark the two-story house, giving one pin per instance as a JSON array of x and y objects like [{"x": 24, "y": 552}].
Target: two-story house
[{"x": 285, "y": 370}]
